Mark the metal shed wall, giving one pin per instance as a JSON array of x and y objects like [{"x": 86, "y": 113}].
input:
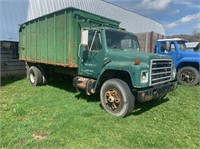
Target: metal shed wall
[{"x": 14, "y": 12}]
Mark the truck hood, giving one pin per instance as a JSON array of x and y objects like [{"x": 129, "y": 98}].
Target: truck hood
[
  {"x": 188, "y": 53},
  {"x": 131, "y": 55}
]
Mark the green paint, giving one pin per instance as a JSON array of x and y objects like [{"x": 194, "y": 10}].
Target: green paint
[{"x": 55, "y": 38}]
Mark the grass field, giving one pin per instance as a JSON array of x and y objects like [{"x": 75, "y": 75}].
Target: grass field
[{"x": 57, "y": 116}]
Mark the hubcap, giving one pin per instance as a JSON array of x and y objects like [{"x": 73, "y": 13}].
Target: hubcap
[
  {"x": 113, "y": 99},
  {"x": 32, "y": 77},
  {"x": 187, "y": 76}
]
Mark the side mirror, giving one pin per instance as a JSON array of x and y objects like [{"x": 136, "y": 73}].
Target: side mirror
[{"x": 84, "y": 37}]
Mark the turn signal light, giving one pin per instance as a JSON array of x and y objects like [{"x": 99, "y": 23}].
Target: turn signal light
[{"x": 137, "y": 61}]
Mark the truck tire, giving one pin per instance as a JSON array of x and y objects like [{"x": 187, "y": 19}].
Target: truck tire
[
  {"x": 44, "y": 75},
  {"x": 35, "y": 76},
  {"x": 44, "y": 79},
  {"x": 188, "y": 76},
  {"x": 116, "y": 98}
]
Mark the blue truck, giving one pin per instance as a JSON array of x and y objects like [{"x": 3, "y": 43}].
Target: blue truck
[{"x": 187, "y": 62}]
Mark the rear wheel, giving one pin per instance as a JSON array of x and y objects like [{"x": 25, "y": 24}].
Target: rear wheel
[
  {"x": 188, "y": 76},
  {"x": 116, "y": 98},
  {"x": 35, "y": 76}
]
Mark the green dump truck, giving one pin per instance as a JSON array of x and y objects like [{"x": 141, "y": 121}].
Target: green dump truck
[{"x": 102, "y": 57}]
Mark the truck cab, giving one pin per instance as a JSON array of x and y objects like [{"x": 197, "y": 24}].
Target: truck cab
[
  {"x": 110, "y": 62},
  {"x": 187, "y": 62}
]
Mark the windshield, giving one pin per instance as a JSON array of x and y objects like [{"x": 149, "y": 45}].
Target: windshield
[
  {"x": 121, "y": 40},
  {"x": 181, "y": 45}
]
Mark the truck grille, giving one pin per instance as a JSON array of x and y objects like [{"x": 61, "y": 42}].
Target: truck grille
[{"x": 160, "y": 71}]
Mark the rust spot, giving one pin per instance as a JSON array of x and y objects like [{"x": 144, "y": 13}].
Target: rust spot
[
  {"x": 147, "y": 98},
  {"x": 82, "y": 83}
]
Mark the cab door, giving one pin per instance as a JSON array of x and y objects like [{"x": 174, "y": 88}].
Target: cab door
[
  {"x": 169, "y": 48},
  {"x": 91, "y": 55}
]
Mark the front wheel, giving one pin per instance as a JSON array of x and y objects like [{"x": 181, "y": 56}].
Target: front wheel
[
  {"x": 188, "y": 76},
  {"x": 116, "y": 98}
]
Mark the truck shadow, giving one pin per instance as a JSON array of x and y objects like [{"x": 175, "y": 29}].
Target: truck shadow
[
  {"x": 9, "y": 80},
  {"x": 66, "y": 84},
  {"x": 90, "y": 98},
  {"x": 61, "y": 83},
  {"x": 141, "y": 107}
]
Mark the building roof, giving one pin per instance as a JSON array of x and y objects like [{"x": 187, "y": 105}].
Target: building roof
[{"x": 15, "y": 12}]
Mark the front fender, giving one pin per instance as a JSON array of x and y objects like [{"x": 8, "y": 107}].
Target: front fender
[
  {"x": 134, "y": 72},
  {"x": 115, "y": 66},
  {"x": 188, "y": 60}
]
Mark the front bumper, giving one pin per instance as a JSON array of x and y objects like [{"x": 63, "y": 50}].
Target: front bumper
[{"x": 156, "y": 91}]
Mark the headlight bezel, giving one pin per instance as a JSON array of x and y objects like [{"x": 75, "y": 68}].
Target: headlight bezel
[
  {"x": 173, "y": 73},
  {"x": 144, "y": 76}
]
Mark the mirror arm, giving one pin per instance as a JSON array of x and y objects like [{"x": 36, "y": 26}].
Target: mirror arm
[
  {"x": 93, "y": 41},
  {"x": 79, "y": 49}
]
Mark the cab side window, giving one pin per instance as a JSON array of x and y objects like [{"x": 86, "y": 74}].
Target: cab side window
[
  {"x": 172, "y": 47},
  {"x": 167, "y": 46},
  {"x": 94, "y": 40},
  {"x": 163, "y": 46}
]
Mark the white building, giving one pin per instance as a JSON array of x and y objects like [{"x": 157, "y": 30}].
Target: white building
[{"x": 15, "y": 12}]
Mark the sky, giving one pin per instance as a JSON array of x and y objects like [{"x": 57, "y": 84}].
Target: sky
[{"x": 176, "y": 16}]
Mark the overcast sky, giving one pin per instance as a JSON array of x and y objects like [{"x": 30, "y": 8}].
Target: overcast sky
[{"x": 177, "y": 16}]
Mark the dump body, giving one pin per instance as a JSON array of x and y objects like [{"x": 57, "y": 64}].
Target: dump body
[{"x": 54, "y": 38}]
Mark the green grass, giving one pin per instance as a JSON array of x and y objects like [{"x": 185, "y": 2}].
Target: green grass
[{"x": 57, "y": 116}]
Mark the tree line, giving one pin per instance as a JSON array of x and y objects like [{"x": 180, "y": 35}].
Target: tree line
[{"x": 190, "y": 38}]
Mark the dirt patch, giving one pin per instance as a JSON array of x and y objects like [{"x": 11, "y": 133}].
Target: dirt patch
[
  {"x": 22, "y": 142},
  {"x": 40, "y": 135}
]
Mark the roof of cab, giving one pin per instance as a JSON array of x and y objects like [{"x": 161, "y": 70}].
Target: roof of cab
[{"x": 172, "y": 39}]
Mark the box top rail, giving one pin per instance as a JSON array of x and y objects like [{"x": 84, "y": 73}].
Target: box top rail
[{"x": 83, "y": 14}]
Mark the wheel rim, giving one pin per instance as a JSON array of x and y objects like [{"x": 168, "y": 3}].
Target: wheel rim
[
  {"x": 32, "y": 77},
  {"x": 187, "y": 77},
  {"x": 113, "y": 99}
]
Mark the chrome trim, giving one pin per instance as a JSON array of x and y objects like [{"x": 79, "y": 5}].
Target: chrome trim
[
  {"x": 167, "y": 73},
  {"x": 161, "y": 73},
  {"x": 161, "y": 68}
]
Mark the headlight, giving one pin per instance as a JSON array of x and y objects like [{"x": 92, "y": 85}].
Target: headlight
[
  {"x": 144, "y": 76},
  {"x": 174, "y": 73}
]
